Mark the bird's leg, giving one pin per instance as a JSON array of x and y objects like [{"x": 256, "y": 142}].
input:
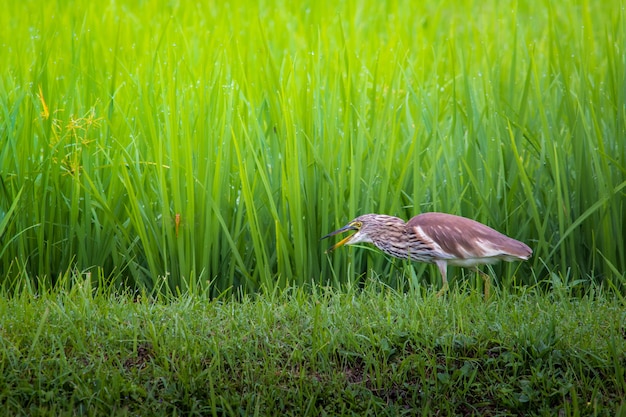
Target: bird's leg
[
  {"x": 487, "y": 281},
  {"x": 443, "y": 270}
]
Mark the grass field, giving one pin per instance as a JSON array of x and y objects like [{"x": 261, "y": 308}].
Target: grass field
[
  {"x": 167, "y": 169},
  {"x": 214, "y": 145},
  {"x": 311, "y": 352}
]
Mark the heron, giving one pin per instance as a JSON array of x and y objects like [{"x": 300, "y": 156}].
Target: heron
[{"x": 437, "y": 238}]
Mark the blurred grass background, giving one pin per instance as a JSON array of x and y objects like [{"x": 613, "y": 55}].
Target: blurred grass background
[{"x": 204, "y": 147}]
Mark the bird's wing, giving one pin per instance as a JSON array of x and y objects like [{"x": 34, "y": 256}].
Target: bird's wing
[{"x": 463, "y": 238}]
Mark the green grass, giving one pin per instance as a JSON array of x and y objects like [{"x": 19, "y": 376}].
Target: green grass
[
  {"x": 213, "y": 146},
  {"x": 313, "y": 351},
  {"x": 168, "y": 167}
]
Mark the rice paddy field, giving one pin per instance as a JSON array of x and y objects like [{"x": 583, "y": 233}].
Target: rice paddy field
[{"x": 167, "y": 169}]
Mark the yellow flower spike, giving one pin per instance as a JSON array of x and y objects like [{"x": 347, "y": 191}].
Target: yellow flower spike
[{"x": 45, "y": 113}]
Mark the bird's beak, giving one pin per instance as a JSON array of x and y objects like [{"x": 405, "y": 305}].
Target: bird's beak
[{"x": 343, "y": 241}]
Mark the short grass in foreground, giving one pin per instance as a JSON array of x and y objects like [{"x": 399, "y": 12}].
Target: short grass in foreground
[{"x": 313, "y": 351}]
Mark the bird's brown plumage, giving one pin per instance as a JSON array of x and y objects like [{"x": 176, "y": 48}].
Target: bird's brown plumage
[
  {"x": 440, "y": 238},
  {"x": 465, "y": 239}
]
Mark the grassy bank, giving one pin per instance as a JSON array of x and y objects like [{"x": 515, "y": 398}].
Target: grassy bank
[
  {"x": 314, "y": 351},
  {"x": 214, "y": 145}
]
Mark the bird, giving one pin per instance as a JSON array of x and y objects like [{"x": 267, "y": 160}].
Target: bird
[{"x": 440, "y": 238}]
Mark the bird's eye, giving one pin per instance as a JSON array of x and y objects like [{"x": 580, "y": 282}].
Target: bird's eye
[{"x": 357, "y": 224}]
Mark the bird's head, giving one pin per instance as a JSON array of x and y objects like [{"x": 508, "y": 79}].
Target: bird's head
[{"x": 366, "y": 226}]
